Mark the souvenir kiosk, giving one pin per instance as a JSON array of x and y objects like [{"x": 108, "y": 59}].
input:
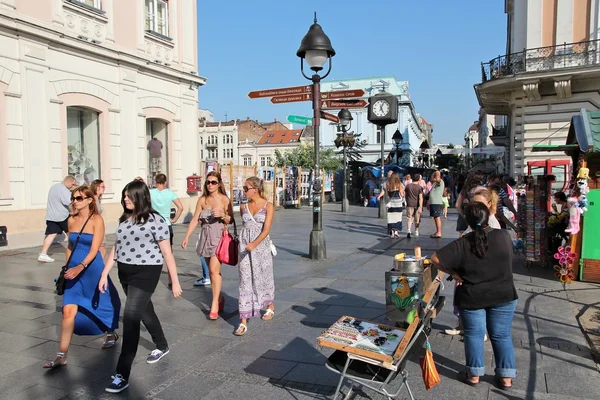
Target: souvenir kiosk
[{"x": 583, "y": 146}]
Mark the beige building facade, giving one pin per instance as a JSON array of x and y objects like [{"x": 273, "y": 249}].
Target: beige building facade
[
  {"x": 550, "y": 71},
  {"x": 85, "y": 87}
]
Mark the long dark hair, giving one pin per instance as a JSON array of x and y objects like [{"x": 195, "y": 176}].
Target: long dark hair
[
  {"x": 473, "y": 180},
  {"x": 217, "y": 175},
  {"x": 139, "y": 195},
  {"x": 477, "y": 216}
]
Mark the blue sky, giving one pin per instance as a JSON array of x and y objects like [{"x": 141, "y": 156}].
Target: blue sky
[{"x": 437, "y": 45}]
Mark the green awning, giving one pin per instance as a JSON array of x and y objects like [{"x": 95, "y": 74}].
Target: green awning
[
  {"x": 554, "y": 147},
  {"x": 594, "y": 121}
]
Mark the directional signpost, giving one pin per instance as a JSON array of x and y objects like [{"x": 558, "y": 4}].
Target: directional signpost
[
  {"x": 342, "y": 94},
  {"x": 298, "y": 119},
  {"x": 344, "y": 104},
  {"x": 330, "y": 117},
  {"x": 257, "y": 94},
  {"x": 291, "y": 98}
]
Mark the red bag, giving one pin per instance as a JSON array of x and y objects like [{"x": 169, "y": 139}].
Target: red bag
[{"x": 228, "y": 248}]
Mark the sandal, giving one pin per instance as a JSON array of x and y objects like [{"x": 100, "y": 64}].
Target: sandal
[
  {"x": 466, "y": 379},
  {"x": 59, "y": 361},
  {"x": 268, "y": 315},
  {"x": 241, "y": 330},
  {"x": 110, "y": 341},
  {"x": 434, "y": 236},
  {"x": 502, "y": 385}
]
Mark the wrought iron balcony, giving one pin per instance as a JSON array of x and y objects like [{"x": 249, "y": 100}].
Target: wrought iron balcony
[
  {"x": 541, "y": 59},
  {"x": 210, "y": 145}
]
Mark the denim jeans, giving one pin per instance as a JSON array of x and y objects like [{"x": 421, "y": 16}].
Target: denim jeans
[
  {"x": 138, "y": 308},
  {"x": 497, "y": 320},
  {"x": 205, "y": 272}
]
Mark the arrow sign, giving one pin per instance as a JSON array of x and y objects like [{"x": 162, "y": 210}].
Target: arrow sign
[
  {"x": 342, "y": 94},
  {"x": 280, "y": 91},
  {"x": 329, "y": 117},
  {"x": 291, "y": 98},
  {"x": 297, "y": 119},
  {"x": 344, "y": 104}
]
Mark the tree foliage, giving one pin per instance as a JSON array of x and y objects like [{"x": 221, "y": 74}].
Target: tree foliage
[{"x": 303, "y": 156}]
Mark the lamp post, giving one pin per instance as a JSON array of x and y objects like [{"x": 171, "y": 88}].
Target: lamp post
[
  {"x": 346, "y": 140},
  {"x": 316, "y": 49},
  {"x": 397, "y": 139},
  {"x": 438, "y": 155}
]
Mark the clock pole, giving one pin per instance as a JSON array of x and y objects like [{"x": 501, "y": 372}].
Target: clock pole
[{"x": 382, "y": 202}]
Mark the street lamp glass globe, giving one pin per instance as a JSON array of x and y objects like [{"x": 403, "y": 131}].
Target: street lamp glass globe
[
  {"x": 316, "y": 58},
  {"x": 397, "y": 137}
]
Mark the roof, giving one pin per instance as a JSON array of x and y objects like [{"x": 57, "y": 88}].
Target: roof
[
  {"x": 585, "y": 131},
  {"x": 474, "y": 127},
  {"x": 281, "y": 137}
]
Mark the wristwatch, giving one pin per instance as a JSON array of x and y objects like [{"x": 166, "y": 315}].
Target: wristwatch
[{"x": 84, "y": 265}]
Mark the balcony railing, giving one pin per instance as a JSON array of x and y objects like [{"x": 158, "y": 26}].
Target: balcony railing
[{"x": 567, "y": 55}]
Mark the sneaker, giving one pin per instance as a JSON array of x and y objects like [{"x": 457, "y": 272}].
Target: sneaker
[
  {"x": 156, "y": 355},
  {"x": 417, "y": 233},
  {"x": 452, "y": 332},
  {"x": 485, "y": 338},
  {"x": 408, "y": 235},
  {"x": 202, "y": 282},
  {"x": 45, "y": 258},
  {"x": 117, "y": 385}
]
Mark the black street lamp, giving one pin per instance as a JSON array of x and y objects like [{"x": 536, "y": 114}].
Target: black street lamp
[
  {"x": 397, "y": 139},
  {"x": 438, "y": 155},
  {"x": 345, "y": 139},
  {"x": 316, "y": 49}
]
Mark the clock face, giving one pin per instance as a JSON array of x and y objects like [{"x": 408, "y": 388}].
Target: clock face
[{"x": 381, "y": 108}]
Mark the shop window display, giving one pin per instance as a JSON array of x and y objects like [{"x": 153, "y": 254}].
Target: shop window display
[{"x": 83, "y": 144}]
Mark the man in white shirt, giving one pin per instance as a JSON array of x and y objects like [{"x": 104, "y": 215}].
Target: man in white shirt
[{"x": 57, "y": 214}]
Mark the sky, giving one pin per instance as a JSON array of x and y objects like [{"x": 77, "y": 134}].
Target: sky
[{"x": 437, "y": 45}]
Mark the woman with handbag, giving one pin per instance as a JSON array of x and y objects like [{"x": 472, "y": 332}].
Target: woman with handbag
[
  {"x": 214, "y": 212},
  {"x": 141, "y": 247},
  {"x": 257, "y": 286},
  {"x": 84, "y": 311}
]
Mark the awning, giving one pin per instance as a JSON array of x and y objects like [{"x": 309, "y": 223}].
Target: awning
[{"x": 553, "y": 147}]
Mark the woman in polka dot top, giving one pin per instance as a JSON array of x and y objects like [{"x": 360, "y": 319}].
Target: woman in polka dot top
[{"x": 141, "y": 247}]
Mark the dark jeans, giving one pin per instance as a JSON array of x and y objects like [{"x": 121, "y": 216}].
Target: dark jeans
[{"x": 138, "y": 308}]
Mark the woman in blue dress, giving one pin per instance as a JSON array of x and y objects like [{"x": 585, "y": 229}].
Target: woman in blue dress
[{"x": 86, "y": 311}]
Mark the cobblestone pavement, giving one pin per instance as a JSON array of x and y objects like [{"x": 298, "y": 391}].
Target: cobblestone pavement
[{"x": 279, "y": 359}]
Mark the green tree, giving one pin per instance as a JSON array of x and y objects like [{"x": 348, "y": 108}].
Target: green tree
[{"x": 303, "y": 156}]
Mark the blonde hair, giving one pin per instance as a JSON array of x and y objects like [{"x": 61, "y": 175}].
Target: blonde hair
[
  {"x": 258, "y": 183},
  {"x": 489, "y": 195}
]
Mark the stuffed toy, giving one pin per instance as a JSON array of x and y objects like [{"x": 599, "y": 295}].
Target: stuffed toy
[
  {"x": 582, "y": 184},
  {"x": 583, "y": 173},
  {"x": 582, "y": 203},
  {"x": 574, "y": 215}
]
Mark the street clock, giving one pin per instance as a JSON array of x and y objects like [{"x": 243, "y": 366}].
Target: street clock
[{"x": 383, "y": 109}]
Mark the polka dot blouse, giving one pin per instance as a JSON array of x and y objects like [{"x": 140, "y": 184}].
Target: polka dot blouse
[{"x": 138, "y": 244}]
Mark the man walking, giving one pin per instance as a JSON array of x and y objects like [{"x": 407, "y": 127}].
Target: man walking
[
  {"x": 162, "y": 198},
  {"x": 414, "y": 204},
  {"x": 436, "y": 203},
  {"x": 57, "y": 214}
]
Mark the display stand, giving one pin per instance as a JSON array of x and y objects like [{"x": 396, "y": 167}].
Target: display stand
[{"x": 535, "y": 231}]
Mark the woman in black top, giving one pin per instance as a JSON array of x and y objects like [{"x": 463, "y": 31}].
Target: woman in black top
[
  {"x": 481, "y": 264},
  {"x": 141, "y": 248}
]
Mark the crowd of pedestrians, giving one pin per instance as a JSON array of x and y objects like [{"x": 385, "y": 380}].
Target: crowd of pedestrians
[{"x": 144, "y": 240}]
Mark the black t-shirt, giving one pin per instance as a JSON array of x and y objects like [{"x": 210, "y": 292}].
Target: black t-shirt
[{"x": 487, "y": 281}]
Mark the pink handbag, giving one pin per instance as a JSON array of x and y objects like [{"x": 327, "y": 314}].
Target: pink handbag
[{"x": 228, "y": 248}]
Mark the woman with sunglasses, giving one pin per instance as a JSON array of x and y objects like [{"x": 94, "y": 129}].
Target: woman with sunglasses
[
  {"x": 84, "y": 311},
  {"x": 257, "y": 287},
  {"x": 213, "y": 211},
  {"x": 142, "y": 246}
]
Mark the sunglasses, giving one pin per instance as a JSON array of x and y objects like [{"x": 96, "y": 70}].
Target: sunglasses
[
  {"x": 246, "y": 188},
  {"x": 212, "y": 183},
  {"x": 78, "y": 198}
]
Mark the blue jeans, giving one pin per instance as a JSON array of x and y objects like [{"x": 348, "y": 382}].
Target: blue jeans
[
  {"x": 205, "y": 273},
  {"x": 498, "y": 321}
]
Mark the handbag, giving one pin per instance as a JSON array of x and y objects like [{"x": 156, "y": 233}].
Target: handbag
[
  {"x": 61, "y": 281},
  {"x": 430, "y": 373},
  {"x": 271, "y": 245},
  {"x": 228, "y": 248}
]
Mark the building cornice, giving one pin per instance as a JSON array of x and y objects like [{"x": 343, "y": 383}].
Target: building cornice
[{"x": 22, "y": 27}]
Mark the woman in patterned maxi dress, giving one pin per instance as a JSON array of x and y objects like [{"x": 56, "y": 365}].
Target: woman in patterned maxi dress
[{"x": 257, "y": 286}]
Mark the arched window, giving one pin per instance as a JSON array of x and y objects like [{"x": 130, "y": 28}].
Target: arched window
[
  {"x": 212, "y": 139},
  {"x": 158, "y": 149},
  {"x": 83, "y": 144},
  {"x": 228, "y": 139}
]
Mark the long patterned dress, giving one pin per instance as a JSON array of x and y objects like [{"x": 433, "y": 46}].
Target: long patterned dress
[{"x": 257, "y": 286}]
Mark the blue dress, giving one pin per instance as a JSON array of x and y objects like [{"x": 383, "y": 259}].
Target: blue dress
[{"x": 97, "y": 312}]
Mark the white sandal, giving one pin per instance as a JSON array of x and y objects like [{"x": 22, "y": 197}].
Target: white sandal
[
  {"x": 268, "y": 315},
  {"x": 243, "y": 328}
]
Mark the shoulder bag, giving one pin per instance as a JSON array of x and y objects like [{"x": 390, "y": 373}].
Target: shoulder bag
[
  {"x": 61, "y": 282},
  {"x": 228, "y": 248}
]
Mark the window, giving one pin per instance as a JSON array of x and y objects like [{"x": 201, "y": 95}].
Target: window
[
  {"x": 91, "y": 3},
  {"x": 157, "y": 16},
  {"x": 247, "y": 161},
  {"x": 228, "y": 139},
  {"x": 201, "y": 140},
  {"x": 269, "y": 162},
  {"x": 227, "y": 153},
  {"x": 83, "y": 144},
  {"x": 212, "y": 154},
  {"x": 158, "y": 148},
  {"x": 263, "y": 161},
  {"x": 378, "y": 139},
  {"x": 201, "y": 154},
  {"x": 212, "y": 139}
]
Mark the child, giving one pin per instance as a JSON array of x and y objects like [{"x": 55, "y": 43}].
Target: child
[{"x": 446, "y": 202}]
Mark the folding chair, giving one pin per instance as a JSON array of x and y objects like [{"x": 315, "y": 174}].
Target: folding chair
[{"x": 374, "y": 374}]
